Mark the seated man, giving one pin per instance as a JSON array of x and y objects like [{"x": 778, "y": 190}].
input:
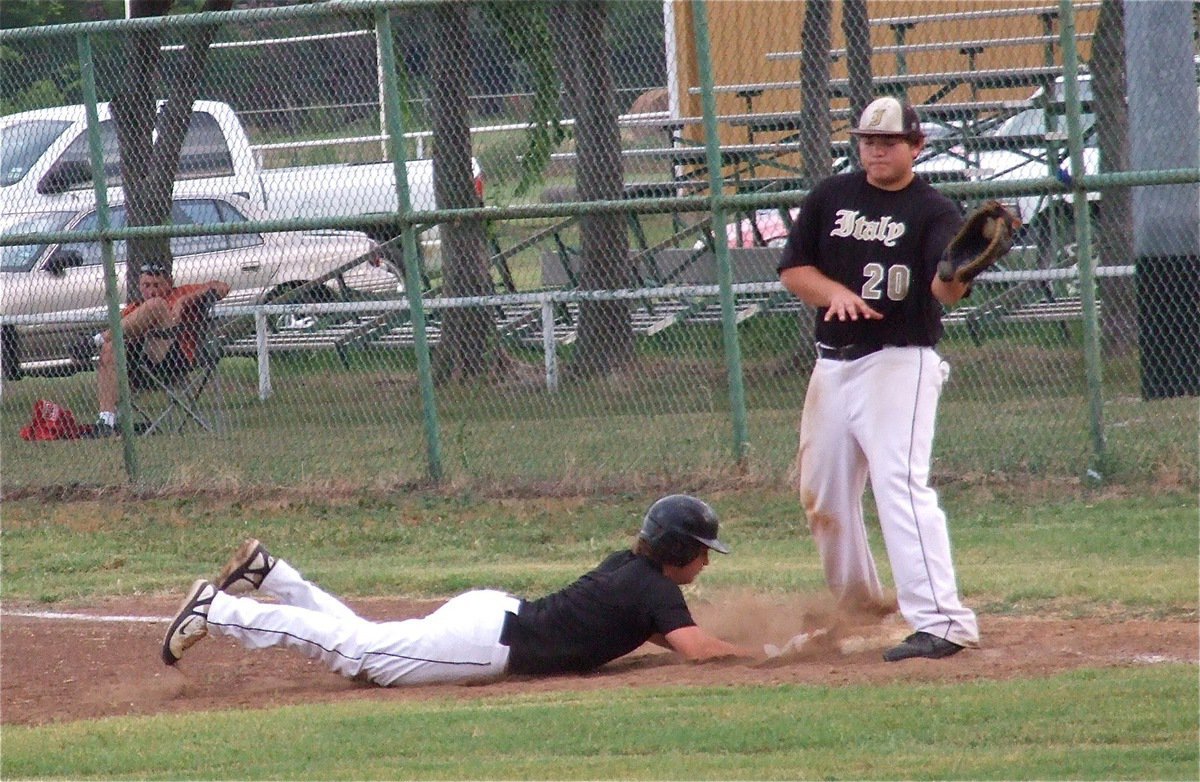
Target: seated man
[{"x": 151, "y": 340}]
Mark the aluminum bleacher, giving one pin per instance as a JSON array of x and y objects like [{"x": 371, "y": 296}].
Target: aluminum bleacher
[
  {"x": 963, "y": 47},
  {"x": 1035, "y": 76}
]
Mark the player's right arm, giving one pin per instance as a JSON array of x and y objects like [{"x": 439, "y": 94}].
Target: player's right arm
[
  {"x": 812, "y": 287},
  {"x": 696, "y": 645}
]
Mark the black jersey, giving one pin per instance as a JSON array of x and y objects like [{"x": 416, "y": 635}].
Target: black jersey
[
  {"x": 605, "y": 614},
  {"x": 883, "y": 245}
]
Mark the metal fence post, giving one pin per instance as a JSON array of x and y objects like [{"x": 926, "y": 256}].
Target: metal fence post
[
  {"x": 264, "y": 355},
  {"x": 87, "y": 73},
  {"x": 1083, "y": 237},
  {"x": 549, "y": 346},
  {"x": 716, "y": 185},
  {"x": 412, "y": 272}
]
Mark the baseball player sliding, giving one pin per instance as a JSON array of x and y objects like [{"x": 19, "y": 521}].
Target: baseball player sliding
[
  {"x": 865, "y": 251},
  {"x": 632, "y": 597}
]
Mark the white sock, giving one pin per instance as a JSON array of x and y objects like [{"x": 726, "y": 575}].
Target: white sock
[{"x": 108, "y": 417}]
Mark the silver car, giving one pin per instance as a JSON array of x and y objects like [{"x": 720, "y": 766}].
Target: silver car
[{"x": 52, "y": 295}]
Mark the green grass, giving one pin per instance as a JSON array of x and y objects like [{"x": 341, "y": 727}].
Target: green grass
[
  {"x": 1115, "y": 724},
  {"x": 1014, "y": 554},
  {"x": 361, "y": 428}
]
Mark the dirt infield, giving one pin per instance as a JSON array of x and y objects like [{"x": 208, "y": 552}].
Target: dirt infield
[{"x": 60, "y": 668}]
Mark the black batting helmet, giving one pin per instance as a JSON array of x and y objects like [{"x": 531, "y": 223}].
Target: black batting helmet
[{"x": 678, "y": 527}]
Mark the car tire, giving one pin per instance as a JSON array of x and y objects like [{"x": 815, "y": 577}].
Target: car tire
[{"x": 10, "y": 353}]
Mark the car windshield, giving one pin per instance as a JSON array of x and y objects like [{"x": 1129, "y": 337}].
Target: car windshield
[
  {"x": 23, "y": 143},
  {"x": 21, "y": 257}
]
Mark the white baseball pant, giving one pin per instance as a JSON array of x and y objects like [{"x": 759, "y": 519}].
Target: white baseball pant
[
  {"x": 459, "y": 642},
  {"x": 874, "y": 418}
]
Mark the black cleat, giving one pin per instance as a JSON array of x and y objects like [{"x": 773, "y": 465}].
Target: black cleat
[
  {"x": 190, "y": 624},
  {"x": 921, "y": 644},
  {"x": 247, "y": 568},
  {"x": 99, "y": 430}
]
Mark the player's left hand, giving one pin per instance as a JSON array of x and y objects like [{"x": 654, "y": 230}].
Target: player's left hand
[
  {"x": 983, "y": 239},
  {"x": 793, "y": 645}
]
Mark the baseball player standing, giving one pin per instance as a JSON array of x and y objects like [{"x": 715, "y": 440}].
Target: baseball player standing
[
  {"x": 632, "y": 597},
  {"x": 864, "y": 252}
]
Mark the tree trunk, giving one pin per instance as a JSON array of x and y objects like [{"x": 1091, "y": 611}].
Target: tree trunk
[
  {"x": 857, "y": 31},
  {"x": 469, "y": 346},
  {"x": 148, "y": 166},
  {"x": 815, "y": 135},
  {"x": 1114, "y": 229},
  {"x": 134, "y": 113},
  {"x": 605, "y": 332}
]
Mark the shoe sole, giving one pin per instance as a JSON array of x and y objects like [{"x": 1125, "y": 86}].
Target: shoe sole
[
  {"x": 234, "y": 573},
  {"x": 183, "y": 627}
]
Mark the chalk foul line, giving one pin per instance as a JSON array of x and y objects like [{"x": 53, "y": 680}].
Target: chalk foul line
[{"x": 56, "y": 615}]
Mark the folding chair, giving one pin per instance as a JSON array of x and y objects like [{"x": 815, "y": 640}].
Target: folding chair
[{"x": 182, "y": 383}]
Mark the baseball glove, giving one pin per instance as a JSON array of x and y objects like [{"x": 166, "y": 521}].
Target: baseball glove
[{"x": 983, "y": 239}]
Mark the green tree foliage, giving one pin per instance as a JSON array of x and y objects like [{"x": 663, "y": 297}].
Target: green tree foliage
[
  {"x": 37, "y": 78},
  {"x": 526, "y": 30},
  {"x": 32, "y": 77}
]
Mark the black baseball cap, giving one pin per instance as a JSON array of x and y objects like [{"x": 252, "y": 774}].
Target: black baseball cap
[{"x": 889, "y": 116}]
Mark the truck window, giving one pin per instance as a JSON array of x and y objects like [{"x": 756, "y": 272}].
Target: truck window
[
  {"x": 110, "y": 151},
  {"x": 23, "y": 144},
  {"x": 204, "y": 152}
]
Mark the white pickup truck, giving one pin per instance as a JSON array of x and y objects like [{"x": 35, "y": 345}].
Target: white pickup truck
[{"x": 44, "y": 166}]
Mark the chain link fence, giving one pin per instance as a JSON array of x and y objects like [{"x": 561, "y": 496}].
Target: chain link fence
[{"x": 532, "y": 246}]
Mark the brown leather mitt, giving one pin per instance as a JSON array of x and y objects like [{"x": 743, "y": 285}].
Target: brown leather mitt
[{"x": 983, "y": 239}]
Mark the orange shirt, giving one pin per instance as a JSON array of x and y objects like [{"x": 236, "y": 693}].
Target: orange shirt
[{"x": 187, "y": 337}]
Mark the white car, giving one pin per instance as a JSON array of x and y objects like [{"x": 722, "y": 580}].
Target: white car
[{"x": 63, "y": 284}]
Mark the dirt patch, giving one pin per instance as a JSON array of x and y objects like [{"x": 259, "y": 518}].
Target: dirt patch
[{"x": 104, "y": 660}]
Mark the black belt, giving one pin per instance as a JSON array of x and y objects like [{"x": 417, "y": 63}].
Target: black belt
[
  {"x": 510, "y": 619},
  {"x": 853, "y": 352},
  {"x": 847, "y": 352}
]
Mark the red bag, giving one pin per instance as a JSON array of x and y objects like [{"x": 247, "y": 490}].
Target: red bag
[{"x": 52, "y": 421}]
